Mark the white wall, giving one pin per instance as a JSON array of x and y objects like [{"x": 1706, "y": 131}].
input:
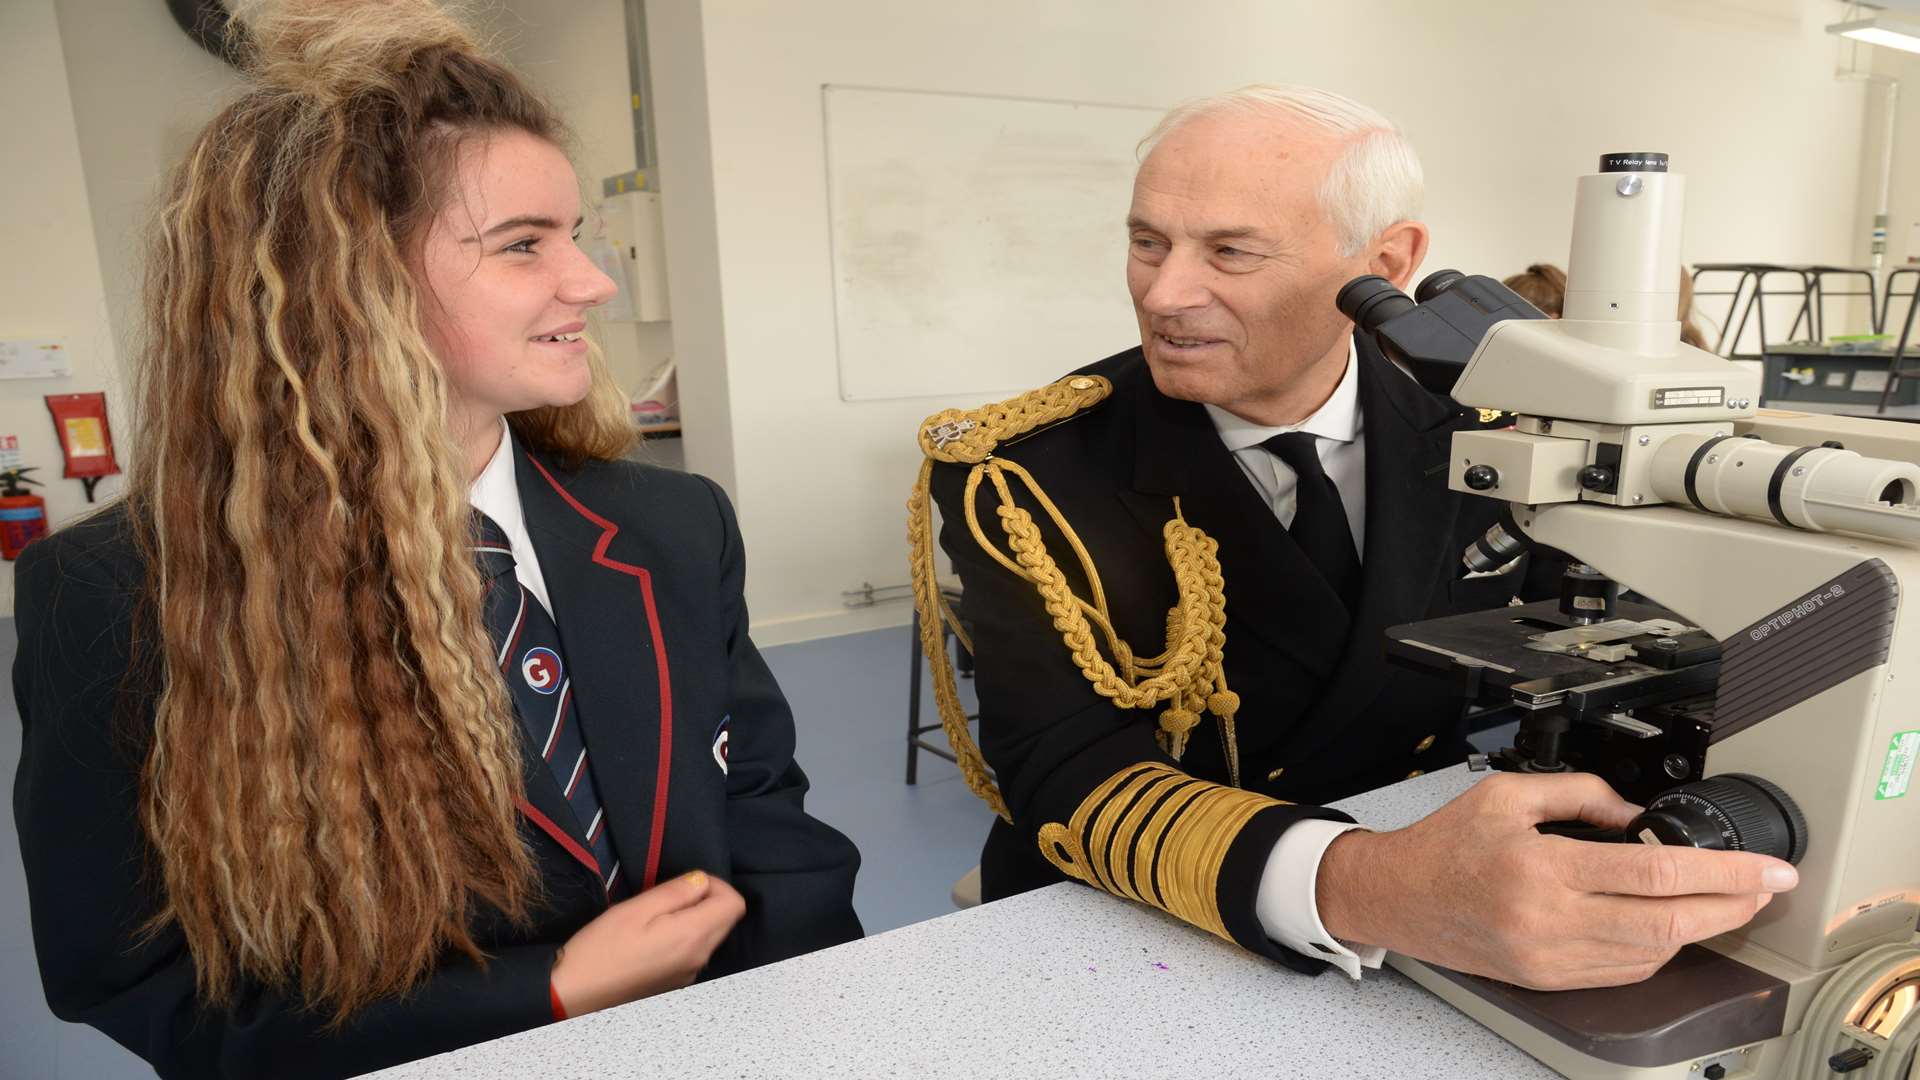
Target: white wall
[
  {"x": 1508, "y": 101},
  {"x": 575, "y": 53},
  {"x": 1903, "y": 202},
  {"x": 677, "y": 43},
  {"x": 50, "y": 279},
  {"x": 141, "y": 90}
]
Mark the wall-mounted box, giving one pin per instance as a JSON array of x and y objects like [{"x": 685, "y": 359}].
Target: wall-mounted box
[{"x": 634, "y": 227}]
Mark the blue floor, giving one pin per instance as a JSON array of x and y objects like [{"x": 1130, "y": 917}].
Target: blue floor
[
  {"x": 33, "y": 1044},
  {"x": 849, "y": 697}
]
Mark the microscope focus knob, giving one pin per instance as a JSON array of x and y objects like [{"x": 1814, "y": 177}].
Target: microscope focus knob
[
  {"x": 1730, "y": 812},
  {"x": 1481, "y": 477},
  {"x": 1596, "y": 478}
]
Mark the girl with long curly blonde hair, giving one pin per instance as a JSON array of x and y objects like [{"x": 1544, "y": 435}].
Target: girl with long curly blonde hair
[{"x": 304, "y": 789}]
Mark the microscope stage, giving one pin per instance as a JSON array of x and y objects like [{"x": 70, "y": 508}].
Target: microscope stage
[{"x": 1505, "y": 647}]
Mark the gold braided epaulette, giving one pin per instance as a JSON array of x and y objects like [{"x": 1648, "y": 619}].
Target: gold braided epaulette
[
  {"x": 1186, "y": 677},
  {"x": 969, "y": 436}
]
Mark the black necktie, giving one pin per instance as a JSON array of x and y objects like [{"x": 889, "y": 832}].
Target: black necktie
[
  {"x": 527, "y": 649},
  {"x": 1319, "y": 520}
]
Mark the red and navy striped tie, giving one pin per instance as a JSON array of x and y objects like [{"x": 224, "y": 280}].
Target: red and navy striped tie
[{"x": 527, "y": 649}]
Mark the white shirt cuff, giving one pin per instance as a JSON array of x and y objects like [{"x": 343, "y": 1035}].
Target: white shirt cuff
[{"x": 1286, "y": 902}]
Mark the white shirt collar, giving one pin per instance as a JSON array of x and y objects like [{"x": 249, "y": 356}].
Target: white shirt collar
[
  {"x": 496, "y": 494},
  {"x": 1338, "y": 420},
  {"x": 495, "y": 487}
]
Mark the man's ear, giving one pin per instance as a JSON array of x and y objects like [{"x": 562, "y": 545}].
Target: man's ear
[{"x": 1399, "y": 251}]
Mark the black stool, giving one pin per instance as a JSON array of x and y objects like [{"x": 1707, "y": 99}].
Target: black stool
[
  {"x": 1896, "y": 368},
  {"x": 1884, "y": 318},
  {"x": 1750, "y": 284},
  {"x": 1742, "y": 277},
  {"x": 1818, "y": 276}
]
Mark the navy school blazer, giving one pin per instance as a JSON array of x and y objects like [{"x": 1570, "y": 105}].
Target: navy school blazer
[{"x": 645, "y": 570}]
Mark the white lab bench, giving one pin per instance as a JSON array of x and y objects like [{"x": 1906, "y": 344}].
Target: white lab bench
[{"x": 1061, "y": 982}]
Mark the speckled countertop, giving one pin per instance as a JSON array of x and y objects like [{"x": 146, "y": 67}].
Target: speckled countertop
[{"x": 1062, "y": 982}]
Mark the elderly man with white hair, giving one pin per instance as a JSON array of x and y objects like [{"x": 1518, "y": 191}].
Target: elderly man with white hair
[{"x": 1252, "y": 412}]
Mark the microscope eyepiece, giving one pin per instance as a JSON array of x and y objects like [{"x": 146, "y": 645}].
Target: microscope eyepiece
[
  {"x": 1370, "y": 301},
  {"x": 1436, "y": 283},
  {"x": 1433, "y": 339}
]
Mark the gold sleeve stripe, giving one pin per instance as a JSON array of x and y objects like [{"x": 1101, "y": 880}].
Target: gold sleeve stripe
[
  {"x": 1168, "y": 802},
  {"x": 1154, "y": 834},
  {"x": 1113, "y": 825}
]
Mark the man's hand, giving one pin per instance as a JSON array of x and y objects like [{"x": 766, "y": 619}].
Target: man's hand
[
  {"x": 1473, "y": 887},
  {"x": 646, "y": 944}
]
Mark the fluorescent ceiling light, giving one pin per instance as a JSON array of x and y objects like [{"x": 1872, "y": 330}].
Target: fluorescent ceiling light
[{"x": 1880, "y": 30}]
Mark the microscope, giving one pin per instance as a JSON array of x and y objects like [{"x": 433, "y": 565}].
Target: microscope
[{"x": 1727, "y": 649}]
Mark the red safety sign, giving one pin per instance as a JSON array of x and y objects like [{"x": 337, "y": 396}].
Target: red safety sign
[{"x": 80, "y": 420}]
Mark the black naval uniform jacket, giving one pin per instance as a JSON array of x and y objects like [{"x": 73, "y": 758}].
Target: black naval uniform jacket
[
  {"x": 645, "y": 570},
  {"x": 1322, "y": 713}
]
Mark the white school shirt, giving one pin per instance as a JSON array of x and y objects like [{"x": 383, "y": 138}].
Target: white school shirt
[{"x": 496, "y": 494}]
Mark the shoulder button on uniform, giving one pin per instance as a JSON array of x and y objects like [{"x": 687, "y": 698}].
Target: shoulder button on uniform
[
  {"x": 1416, "y": 772},
  {"x": 1424, "y": 745},
  {"x": 1275, "y": 774}
]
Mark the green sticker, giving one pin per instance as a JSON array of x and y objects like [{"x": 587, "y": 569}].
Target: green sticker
[{"x": 1898, "y": 771}]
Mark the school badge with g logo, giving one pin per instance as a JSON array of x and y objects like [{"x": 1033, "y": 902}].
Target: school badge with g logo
[
  {"x": 541, "y": 668},
  {"x": 720, "y": 743}
]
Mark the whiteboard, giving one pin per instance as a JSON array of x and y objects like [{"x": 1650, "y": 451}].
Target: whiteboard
[{"x": 979, "y": 243}]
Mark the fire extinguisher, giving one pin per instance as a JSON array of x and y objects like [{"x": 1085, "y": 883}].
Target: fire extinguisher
[{"x": 23, "y": 515}]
